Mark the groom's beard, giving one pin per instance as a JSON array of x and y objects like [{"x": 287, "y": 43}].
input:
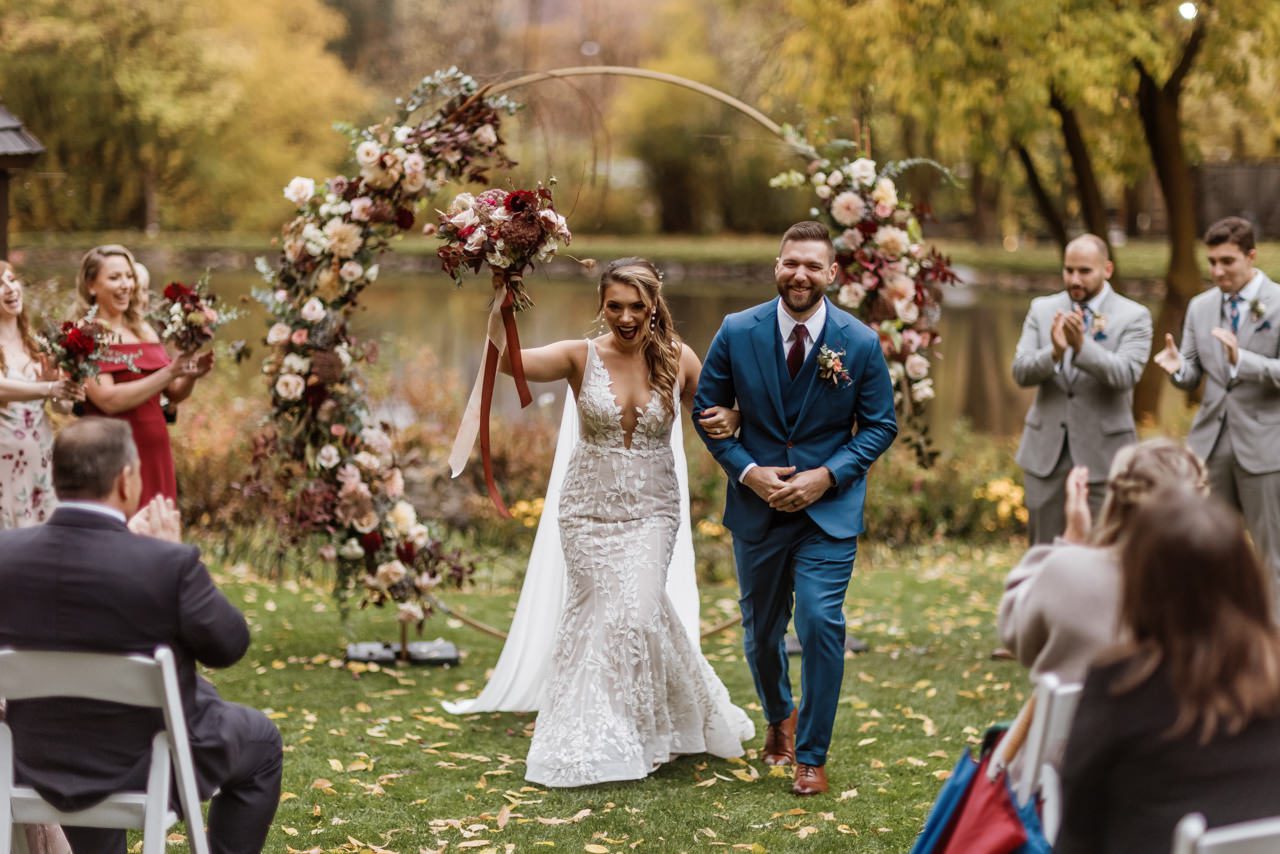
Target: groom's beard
[{"x": 801, "y": 301}]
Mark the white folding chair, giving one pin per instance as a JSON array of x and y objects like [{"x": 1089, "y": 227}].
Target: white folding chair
[
  {"x": 1050, "y": 726},
  {"x": 1249, "y": 837},
  {"x": 135, "y": 680}
]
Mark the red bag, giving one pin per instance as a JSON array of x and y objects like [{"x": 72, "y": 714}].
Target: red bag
[{"x": 988, "y": 821}]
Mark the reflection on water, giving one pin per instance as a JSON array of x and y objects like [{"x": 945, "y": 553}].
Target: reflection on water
[{"x": 972, "y": 364}]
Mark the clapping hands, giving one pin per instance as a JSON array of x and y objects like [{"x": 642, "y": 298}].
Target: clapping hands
[
  {"x": 158, "y": 519},
  {"x": 1079, "y": 517},
  {"x": 1169, "y": 358}
]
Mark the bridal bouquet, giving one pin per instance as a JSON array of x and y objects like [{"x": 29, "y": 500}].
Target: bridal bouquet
[
  {"x": 78, "y": 346},
  {"x": 509, "y": 230},
  {"x": 189, "y": 314}
]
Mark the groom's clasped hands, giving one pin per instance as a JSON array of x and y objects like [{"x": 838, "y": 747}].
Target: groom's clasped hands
[{"x": 785, "y": 489}]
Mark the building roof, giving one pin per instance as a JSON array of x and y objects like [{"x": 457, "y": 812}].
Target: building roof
[{"x": 18, "y": 147}]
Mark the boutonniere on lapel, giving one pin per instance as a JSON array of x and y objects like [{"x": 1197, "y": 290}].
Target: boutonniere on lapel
[
  {"x": 1099, "y": 327},
  {"x": 1257, "y": 309},
  {"x": 831, "y": 366}
]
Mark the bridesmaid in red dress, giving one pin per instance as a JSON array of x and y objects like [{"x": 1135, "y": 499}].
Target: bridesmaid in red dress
[{"x": 107, "y": 279}]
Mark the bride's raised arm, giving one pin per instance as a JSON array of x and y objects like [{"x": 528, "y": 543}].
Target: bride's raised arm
[{"x": 559, "y": 361}]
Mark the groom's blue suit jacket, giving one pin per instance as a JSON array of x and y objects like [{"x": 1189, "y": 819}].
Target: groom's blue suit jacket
[{"x": 844, "y": 426}]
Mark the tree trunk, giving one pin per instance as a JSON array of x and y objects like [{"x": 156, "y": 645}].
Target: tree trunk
[
  {"x": 1087, "y": 189},
  {"x": 1158, "y": 107},
  {"x": 1048, "y": 211},
  {"x": 982, "y": 222},
  {"x": 150, "y": 198}
]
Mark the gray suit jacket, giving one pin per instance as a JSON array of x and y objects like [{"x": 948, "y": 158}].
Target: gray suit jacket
[
  {"x": 1095, "y": 406},
  {"x": 1250, "y": 401}
]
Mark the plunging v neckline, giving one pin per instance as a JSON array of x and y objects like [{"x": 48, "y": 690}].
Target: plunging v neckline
[{"x": 627, "y": 435}]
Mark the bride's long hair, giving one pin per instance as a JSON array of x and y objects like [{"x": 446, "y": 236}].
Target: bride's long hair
[{"x": 662, "y": 345}]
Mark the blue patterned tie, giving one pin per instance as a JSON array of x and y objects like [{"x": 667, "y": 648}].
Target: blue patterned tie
[{"x": 1233, "y": 312}]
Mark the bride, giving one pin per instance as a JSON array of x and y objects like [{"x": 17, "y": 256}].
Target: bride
[{"x": 625, "y": 687}]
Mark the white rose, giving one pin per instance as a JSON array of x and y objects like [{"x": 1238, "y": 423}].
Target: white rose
[
  {"x": 313, "y": 311},
  {"x": 464, "y": 218},
  {"x": 368, "y": 152},
  {"x": 290, "y": 386},
  {"x": 404, "y": 517},
  {"x": 351, "y": 549},
  {"x": 300, "y": 191},
  {"x": 377, "y": 440},
  {"x": 295, "y": 364},
  {"x": 344, "y": 237},
  {"x": 328, "y": 457},
  {"x": 907, "y": 310},
  {"x": 351, "y": 271},
  {"x": 419, "y": 536},
  {"x": 461, "y": 202},
  {"x": 834, "y": 179},
  {"x": 885, "y": 193},
  {"x": 409, "y": 612},
  {"x": 368, "y": 461},
  {"x": 344, "y": 355},
  {"x": 896, "y": 372},
  {"x": 823, "y": 191},
  {"x": 413, "y": 182},
  {"x": 917, "y": 366},
  {"x": 476, "y": 241},
  {"x": 862, "y": 172},
  {"x": 486, "y": 136},
  {"x": 851, "y": 295},
  {"x": 391, "y": 573},
  {"x": 819, "y": 178},
  {"x": 278, "y": 334},
  {"x": 372, "y": 273},
  {"x": 401, "y": 133},
  {"x": 415, "y": 163},
  {"x": 922, "y": 391}
]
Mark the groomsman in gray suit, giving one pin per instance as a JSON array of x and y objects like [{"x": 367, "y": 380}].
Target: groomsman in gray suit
[
  {"x": 1083, "y": 350},
  {"x": 1231, "y": 337}
]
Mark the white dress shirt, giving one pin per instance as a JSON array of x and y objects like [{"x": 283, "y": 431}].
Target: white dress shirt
[
  {"x": 1247, "y": 295},
  {"x": 94, "y": 507},
  {"x": 787, "y": 326}
]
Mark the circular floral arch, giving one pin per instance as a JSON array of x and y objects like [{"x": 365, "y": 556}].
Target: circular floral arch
[{"x": 337, "y": 465}]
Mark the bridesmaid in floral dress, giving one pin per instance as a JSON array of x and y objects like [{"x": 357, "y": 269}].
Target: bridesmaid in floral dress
[
  {"x": 108, "y": 280},
  {"x": 26, "y": 446},
  {"x": 26, "y": 435}
]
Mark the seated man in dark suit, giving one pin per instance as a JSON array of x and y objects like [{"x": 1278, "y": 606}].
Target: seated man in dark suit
[{"x": 85, "y": 581}]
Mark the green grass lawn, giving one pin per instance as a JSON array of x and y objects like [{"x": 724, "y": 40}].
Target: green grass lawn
[{"x": 373, "y": 763}]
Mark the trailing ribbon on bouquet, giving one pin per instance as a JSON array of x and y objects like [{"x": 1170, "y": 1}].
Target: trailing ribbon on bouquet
[{"x": 502, "y": 336}]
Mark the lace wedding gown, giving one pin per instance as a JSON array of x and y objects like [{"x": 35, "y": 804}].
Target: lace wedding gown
[{"x": 628, "y": 690}]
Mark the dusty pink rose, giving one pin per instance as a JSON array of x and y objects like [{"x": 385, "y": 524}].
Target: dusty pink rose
[
  {"x": 393, "y": 483},
  {"x": 900, "y": 286},
  {"x": 328, "y": 553},
  {"x": 278, "y": 334},
  {"x": 299, "y": 337}
]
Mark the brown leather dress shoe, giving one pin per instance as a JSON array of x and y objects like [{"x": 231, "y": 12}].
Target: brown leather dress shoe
[
  {"x": 810, "y": 780},
  {"x": 780, "y": 742}
]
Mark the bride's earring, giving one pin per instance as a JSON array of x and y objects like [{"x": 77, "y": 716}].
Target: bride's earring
[{"x": 653, "y": 321}]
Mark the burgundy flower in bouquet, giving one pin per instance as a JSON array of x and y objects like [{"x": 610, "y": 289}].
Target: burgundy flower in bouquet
[
  {"x": 189, "y": 314},
  {"x": 77, "y": 347}
]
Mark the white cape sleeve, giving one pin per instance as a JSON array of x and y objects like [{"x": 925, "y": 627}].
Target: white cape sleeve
[{"x": 523, "y": 668}]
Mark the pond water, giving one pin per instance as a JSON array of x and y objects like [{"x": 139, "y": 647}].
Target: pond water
[{"x": 404, "y": 312}]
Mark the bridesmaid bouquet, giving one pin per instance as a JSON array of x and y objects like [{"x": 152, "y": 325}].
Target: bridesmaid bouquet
[
  {"x": 78, "y": 346},
  {"x": 189, "y": 314}
]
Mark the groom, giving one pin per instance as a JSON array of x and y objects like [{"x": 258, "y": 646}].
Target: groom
[{"x": 817, "y": 410}]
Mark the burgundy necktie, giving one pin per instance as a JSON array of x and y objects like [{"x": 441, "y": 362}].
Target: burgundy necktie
[{"x": 795, "y": 356}]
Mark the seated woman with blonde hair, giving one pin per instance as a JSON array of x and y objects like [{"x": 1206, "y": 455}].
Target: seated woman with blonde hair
[
  {"x": 1185, "y": 715},
  {"x": 1060, "y": 603}
]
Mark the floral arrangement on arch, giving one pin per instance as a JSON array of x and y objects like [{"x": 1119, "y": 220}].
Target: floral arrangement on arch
[
  {"x": 338, "y": 466},
  {"x": 887, "y": 276}
]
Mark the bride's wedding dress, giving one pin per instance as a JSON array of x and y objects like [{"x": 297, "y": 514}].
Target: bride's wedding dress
[{"x": 627, "y": 689}]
